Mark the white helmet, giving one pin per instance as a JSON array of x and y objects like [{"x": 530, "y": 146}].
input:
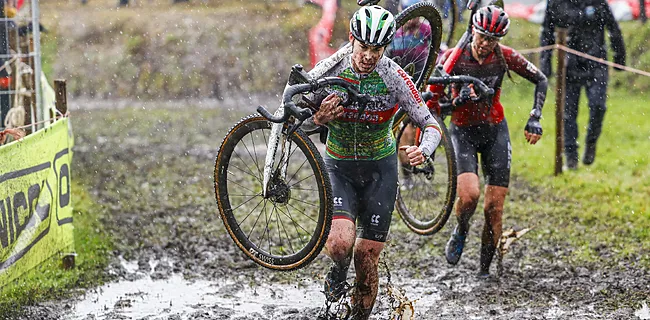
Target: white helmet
[{"x": 373, "y": 25}]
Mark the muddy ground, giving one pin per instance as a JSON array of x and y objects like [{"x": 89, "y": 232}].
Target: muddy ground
[{"x": 150, "y": 165}]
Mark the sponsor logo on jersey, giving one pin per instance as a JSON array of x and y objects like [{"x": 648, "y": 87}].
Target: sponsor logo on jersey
[{"x": 411, "y": 85}]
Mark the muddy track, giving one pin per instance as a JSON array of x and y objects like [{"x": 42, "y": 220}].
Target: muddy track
[{"x": 151, "y": 167}]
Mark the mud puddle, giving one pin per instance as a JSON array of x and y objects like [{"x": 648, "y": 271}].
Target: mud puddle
[{"x": 148, "y": 297}]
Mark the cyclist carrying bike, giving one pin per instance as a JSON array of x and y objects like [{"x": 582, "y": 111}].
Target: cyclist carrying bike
[
  {"x": 479, "y": 127},
  {"x": 361, "y": 158}
]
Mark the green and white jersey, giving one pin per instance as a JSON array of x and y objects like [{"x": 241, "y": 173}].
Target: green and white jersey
[{"x": 368, "y": 135}]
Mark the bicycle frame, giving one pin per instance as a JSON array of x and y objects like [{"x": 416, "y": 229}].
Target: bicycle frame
[{"x": 289, "y": 113}]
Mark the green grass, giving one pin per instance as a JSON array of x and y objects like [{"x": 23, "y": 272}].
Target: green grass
[
  {"x": 604, "y": 204},
  {"x": 50, "y": 280}
]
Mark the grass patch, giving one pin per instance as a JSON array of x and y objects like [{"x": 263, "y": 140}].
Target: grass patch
[
  {"x": 49, "y": 280},
  {"x": 598, "y": 208}
]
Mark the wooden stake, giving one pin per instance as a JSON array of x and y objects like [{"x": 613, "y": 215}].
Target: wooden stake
[{"x": 61, "y": 96}]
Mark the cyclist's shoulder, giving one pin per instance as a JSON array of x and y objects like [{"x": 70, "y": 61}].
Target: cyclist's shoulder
[
  {"x": 506, "y": 49},
  {"x": 510, "y": 53},
  {"x": 386, "y": 67},
  {"x": 391, "y": 72}
]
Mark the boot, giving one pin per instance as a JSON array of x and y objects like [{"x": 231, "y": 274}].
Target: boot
[{"x": 590, "y": 154}]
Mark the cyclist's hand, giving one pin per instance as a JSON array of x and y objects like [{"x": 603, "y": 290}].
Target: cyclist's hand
[
  {"x": 414, "y": 154},
  {"x": 466, "y": 94},
  {"x": 533, "y": 130},
  {"x": 330, "y": 109}
]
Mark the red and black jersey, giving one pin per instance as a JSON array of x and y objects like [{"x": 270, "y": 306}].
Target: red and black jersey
[{"x": 491, "y": 72}]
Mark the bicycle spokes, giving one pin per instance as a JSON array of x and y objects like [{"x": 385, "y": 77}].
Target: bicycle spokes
[{"x": 286, "y": 221}]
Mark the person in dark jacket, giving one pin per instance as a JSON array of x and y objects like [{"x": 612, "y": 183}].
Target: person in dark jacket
[{"x": 586, "y": 21}]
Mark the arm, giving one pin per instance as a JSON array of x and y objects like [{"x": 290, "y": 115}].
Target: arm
[
  {"x": 615, "y": 35},
  {"x": 547, "y": 37},
  {"x": 523, "y": 67},
  {"x": 409, "y": 98},
  {"x": 329, "y": 109}
]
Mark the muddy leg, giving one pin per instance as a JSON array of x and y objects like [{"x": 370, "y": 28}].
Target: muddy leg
[
  {"x": 366, "y": 260},
  {"x": 339, "y": 248},
  {"x": 494, "y": 199},
  {"x": 468, "y": 194}
]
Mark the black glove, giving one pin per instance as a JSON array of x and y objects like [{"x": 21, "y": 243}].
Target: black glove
[
  {"x": 619, "y": 60},
  {"x": 463, "y": 96},
  {"x": 533, "y": 126}
]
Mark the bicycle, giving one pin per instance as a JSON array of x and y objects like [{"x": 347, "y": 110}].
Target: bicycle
[{"x": 290, "y": 179}]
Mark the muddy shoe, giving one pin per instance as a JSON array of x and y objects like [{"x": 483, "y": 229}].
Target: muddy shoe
[
  {"x": 454, "y": 248},
  {"x": 335, "y": 285},
  {"x": 590, "y": 154},
  {"x": 334, "y": 291},
  {"x": 360, "y": 314}
]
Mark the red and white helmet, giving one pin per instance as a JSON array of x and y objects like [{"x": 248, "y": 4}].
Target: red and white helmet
[{"x": 491, "y": 21}]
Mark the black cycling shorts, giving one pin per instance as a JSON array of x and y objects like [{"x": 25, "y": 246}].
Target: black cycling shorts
[
  {"x": 364, "y": 193},
  {"x": 492, "y": 141}
]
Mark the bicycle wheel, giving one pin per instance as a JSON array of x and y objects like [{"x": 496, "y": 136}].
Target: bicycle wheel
[
  {"x": 449, "y": 12},
  {"x": 287, "y": 228},
  {"x": 427, "y": 192},
  {"x": 417, "y": 41}
]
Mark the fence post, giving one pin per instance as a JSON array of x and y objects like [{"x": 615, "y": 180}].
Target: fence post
[
  {"x": 61, "y": 96},
  {"x": 560, "y": 84}
]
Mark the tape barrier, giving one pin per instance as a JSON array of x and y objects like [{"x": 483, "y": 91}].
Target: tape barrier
[
  {"x": 584, "y": 55},
  {"x": 35, "y": 199}
]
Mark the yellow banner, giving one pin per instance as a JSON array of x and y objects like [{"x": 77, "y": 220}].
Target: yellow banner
[{"x": 35, "y": 199}]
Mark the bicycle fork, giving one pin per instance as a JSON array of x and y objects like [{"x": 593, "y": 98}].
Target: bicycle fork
[{"x": 272, "y": 154}]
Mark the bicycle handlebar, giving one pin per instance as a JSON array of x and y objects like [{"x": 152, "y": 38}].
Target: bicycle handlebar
[
  {"x": 481, "y": 88},
  {"x": 290, "y": 108}
]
